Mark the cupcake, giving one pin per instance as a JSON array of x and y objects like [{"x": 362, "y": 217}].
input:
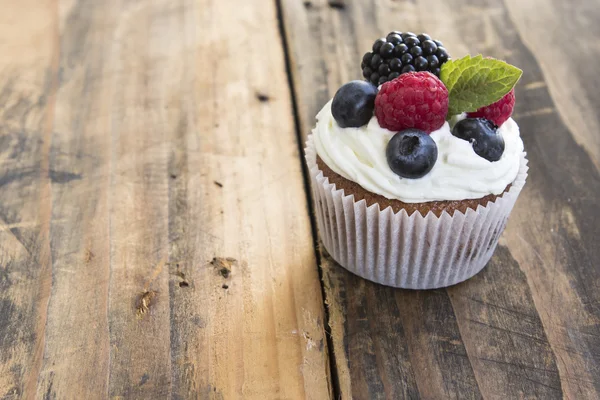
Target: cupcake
[{"x": 415, "y": 171}]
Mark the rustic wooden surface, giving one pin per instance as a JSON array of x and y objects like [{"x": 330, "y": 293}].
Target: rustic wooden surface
[
  {"x": 529, "y": 325},
  {"x": 152, "y": 246},
  {"x": 155, "y": 231}
]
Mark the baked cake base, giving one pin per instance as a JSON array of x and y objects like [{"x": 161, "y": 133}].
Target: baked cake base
[{"x": 437, "y": 207}]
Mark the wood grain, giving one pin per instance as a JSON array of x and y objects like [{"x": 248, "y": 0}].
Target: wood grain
[
  {"x": 528, "y": 325},
  {"x": 574, "y": 87},
  {"x": 27, "y": 93},
  {"x": 152, "y": 245},
  {"x": 154, "y": 234},
  {"x": 77, "y": 341},
  {"x": 249, "y": 323}
]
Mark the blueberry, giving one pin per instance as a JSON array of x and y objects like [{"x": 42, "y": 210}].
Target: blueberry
[
  {"x": 395, "y": 64},
  {"x": 416, "y": 51},
  {"x": 353, "y": 103},
  {"x": 412, "y": 41},
  {"x": 420, "y": 63},
  {"x": 411, "y": 153},
  {"x": 433, "y": 62},
  {"x": 442, "y": 54},
  {"x": 483, "y": 135},
  {"x": 386, "y": 50},
  {"x": 423, "y": 37},
  {"x": 429, "y": 47},
  {"x": 394, "y": 38},
  {"x": 400, "y": 49},
  {"x": 377, "y": 45}
]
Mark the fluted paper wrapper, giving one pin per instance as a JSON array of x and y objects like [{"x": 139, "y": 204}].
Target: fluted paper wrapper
[{"x": 412, "y": 252}]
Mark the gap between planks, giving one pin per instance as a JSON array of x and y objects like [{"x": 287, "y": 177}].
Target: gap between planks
[{"x": 334, "y": 381}]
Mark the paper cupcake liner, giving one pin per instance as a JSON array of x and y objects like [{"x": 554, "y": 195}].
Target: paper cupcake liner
[{"x": 412, "y": 252}]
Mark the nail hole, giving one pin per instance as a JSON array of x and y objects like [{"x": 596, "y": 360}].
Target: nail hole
[
  {"x": 338, "y": 5},
  {"x": 263, "y": 98}
]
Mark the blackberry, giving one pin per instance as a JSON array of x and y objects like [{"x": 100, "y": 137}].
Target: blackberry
[
  {"x": 416, "y": 51},
  {"x": 384, "y": 70},
  {"x": 394, "y": 38},
  {"x": 412, "y": 41},
  {"x": 406, "y": 59},
  {"x": 433, "y": 61},
  {"x": 378, "y": 43},
  {"x": 376, "y": 61},
  {"x": 396, "y": 64},
  {"x": 402, "y": 52},
  {"x": 399, "y": 50},
  {"x": 442, "y": 54},
  {"x": 374, "y": 78},
  {"x": 429, "y": 47},
  {"x": 421, "y": 63},
  {"x": 386, "y": 50}
]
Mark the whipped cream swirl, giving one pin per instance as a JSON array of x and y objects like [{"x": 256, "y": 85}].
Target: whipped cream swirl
[{"x": 358, "y": 154}]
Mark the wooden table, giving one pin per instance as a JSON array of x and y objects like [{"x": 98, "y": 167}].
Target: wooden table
[{"x": 157, "y": 239}]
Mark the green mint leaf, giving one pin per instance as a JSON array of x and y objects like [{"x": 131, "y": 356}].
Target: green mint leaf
[{"x": 475, "y": 82}]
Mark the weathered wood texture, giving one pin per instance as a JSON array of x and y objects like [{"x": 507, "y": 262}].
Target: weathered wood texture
[
  {"x": 154, "y": 234},
  {"x": 529, "y": 325}
]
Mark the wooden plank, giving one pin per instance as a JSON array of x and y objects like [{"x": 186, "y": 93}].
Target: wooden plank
[
  {"x": 559, "y": 246},
  {"x": 76, "y": 356},
  {"x": 572, "y": 84},
  {"x": 27, "y": 88},
  {"x": 411, "y": 348},
  {"x": 139, "y": 315},
  {"x": 391, "y": 343},
  {"x": 249, "y": 320},
  {"x": 504, "y": 337},
  {"x": 551, "y": 232},
  {"x": 528, "y": 325},
  {"x": 179, "y": 261}
]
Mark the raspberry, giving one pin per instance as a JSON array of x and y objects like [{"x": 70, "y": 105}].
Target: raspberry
[
  {"x": 413, "y": 100},
  {"x": 497, "y": 112}
]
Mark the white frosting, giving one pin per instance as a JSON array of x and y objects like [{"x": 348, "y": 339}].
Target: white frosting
[{"x": 358, "y": 154}]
